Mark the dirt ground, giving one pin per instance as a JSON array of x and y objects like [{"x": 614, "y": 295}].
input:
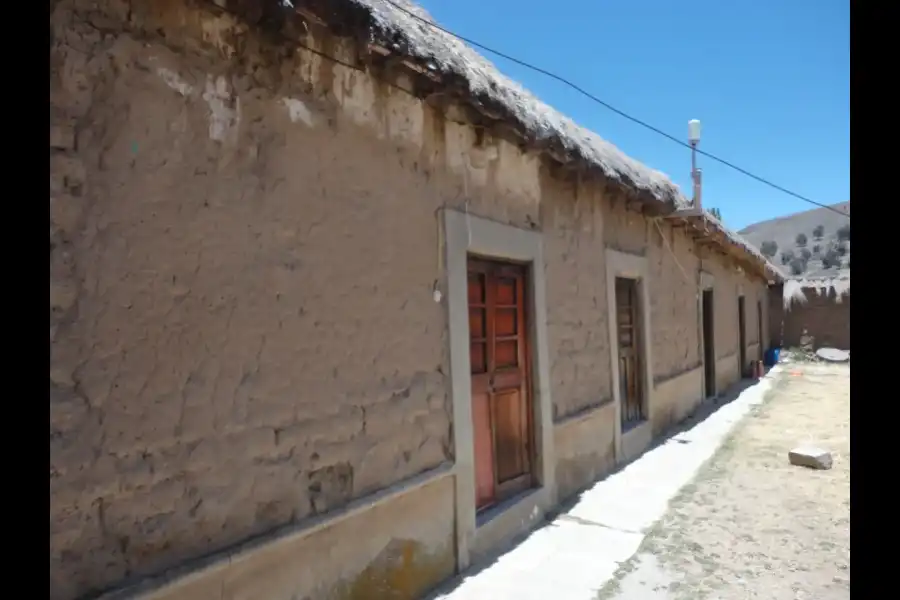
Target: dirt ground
[{"x": 751, "y": 525}]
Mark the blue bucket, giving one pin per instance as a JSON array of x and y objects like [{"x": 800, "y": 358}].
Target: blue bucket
[{"x": 771, "y": 357}]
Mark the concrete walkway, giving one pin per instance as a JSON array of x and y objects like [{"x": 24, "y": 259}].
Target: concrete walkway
[{"x": 573, "y": 556}]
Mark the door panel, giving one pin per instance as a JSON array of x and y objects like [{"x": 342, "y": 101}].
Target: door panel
[
  {"x": 506, "y": 354},
  {"x": 508, "y": 435},
  {"x": 477, "y": 325},
  {"x": 709, "y": 352},
  {"x": 476, "y": 289},
  {"x": 484, "y": 449},
  {"x": 505, "y": 320},
  {"x": 478, "y": 357},
  {"x": 759, "y": 327},
  {"x": 742, "y": 338},
  {"x": 630, "y": 389},
  {"x": 506, "y": 292},
  {"x": 500, "y": 385}
]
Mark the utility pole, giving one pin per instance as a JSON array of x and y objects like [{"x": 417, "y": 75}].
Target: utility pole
[{"x": 694, "y": 139}]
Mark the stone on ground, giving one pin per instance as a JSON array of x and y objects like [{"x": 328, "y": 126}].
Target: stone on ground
[{"x": 811, "y": 457}]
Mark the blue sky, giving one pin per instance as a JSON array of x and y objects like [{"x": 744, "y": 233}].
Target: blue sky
[{"x": 769, "y": 79}]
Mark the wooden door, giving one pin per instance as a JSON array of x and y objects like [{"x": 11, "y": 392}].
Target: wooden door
[
  {"x": 709, "y": 341},
  {"x": 627, "y": 327},
  {"x": 742, "y": 338},
  {"x": 759, "y": 326},
  {"x": 501, "y": 399}
]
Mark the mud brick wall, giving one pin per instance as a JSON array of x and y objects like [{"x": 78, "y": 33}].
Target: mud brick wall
[
  {"x": 822, "y": 317},
  {"x": 240, "y": 336}
]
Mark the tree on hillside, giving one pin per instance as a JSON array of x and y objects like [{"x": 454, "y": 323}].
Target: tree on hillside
[
  {"x": 818, "y": 232},
  {"x": 801, "y": 239},
  {"x": 787, "y": 256},
  {"x": 843, "y": 233},
  {"x": 831, "y": 259},
  {"x": 769, "y": 248},
  {"x": 798, "y": 265},
  {"x": 716, "y": 213},
  {"x": 805, "y": 254},
  {"x": 816, "y": 248}
]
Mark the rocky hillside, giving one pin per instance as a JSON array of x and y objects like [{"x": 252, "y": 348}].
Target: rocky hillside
[{"x": 813, "y": 243}]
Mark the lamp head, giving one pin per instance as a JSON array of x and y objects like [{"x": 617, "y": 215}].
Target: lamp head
[{"x": 693, "y": 131}]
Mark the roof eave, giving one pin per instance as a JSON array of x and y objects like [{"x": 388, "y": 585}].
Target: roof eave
[
  {"x": 706, "y": 231},
  {"x": 390, "y": 46}
]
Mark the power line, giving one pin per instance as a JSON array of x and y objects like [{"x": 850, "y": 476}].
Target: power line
[
  {"x": 561, "y": 80},
  {"x": 610, "y": 107}
]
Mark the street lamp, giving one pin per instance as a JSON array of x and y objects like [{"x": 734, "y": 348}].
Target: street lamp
[{"x": 694, "y": 139}]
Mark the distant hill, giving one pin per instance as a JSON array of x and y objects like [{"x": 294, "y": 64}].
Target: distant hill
[{"x": 825, "y": 256}]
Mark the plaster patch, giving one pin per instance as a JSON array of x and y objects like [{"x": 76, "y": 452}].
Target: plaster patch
[
  {"x": 518, "y": 173},
  {"x": 172, "y": 79},
  {"x": 355, "y": 93},
  {"x": 220, "y": 32},
  {"x": 224, "y": 109},
  {"x": 298, "y": 111},
  {"x": 405, "y": 118}
]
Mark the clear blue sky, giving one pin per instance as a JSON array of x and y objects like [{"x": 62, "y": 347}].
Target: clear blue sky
[{"x": 769, "y": 79}]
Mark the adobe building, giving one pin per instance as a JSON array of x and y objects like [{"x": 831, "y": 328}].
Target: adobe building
[{"x": 337, "y": 309}]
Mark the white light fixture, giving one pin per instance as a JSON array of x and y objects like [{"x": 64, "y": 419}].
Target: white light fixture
[
  {"x": 436, "y": 292},
  {"x": 693, "y": 131}
]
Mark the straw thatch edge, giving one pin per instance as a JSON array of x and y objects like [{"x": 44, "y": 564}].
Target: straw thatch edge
[
  {"x": 456, "y": 70},
  {"x": 407, "y": 36},
  {"x": 767, "y": 267},
  {"x": 794, "y": 290}
]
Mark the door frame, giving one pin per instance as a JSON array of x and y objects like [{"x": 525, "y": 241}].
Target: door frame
[
  {"x": 636, "y": 267},
  {"x": 707, "y": 283},
  {"x": 465, "y": 234}
]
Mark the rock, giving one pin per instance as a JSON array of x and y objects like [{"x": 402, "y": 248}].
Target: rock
[{"x": 807, "y": 456}]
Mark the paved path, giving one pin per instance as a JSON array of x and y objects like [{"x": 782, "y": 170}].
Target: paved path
[{"x": 572, "y": 557}]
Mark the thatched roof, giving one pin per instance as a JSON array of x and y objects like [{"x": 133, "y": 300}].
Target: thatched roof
[
  {"x": 478, "y": 82},
  {"x": 768, "y": 267},
  {"x": 707, "y": 229},
  {"x": 795, "y": 289},
  {"x": 402, "y": 28}
]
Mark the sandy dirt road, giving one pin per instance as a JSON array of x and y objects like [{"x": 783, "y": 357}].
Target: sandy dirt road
[{"x": 751, "y": 525}]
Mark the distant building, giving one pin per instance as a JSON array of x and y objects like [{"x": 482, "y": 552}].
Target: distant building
[{"x": 812, "y": 308}]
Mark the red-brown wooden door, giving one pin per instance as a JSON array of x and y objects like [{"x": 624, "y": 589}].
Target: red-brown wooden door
[{"x": 501, "y": 404}]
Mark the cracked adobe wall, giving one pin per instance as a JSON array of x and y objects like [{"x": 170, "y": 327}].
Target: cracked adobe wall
[
  {"x": 243, "y": 246},
  {"x": 242, "y": 326},
  {"x": 674, "y": 268},
  {"x": 729, "y": 283}
]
